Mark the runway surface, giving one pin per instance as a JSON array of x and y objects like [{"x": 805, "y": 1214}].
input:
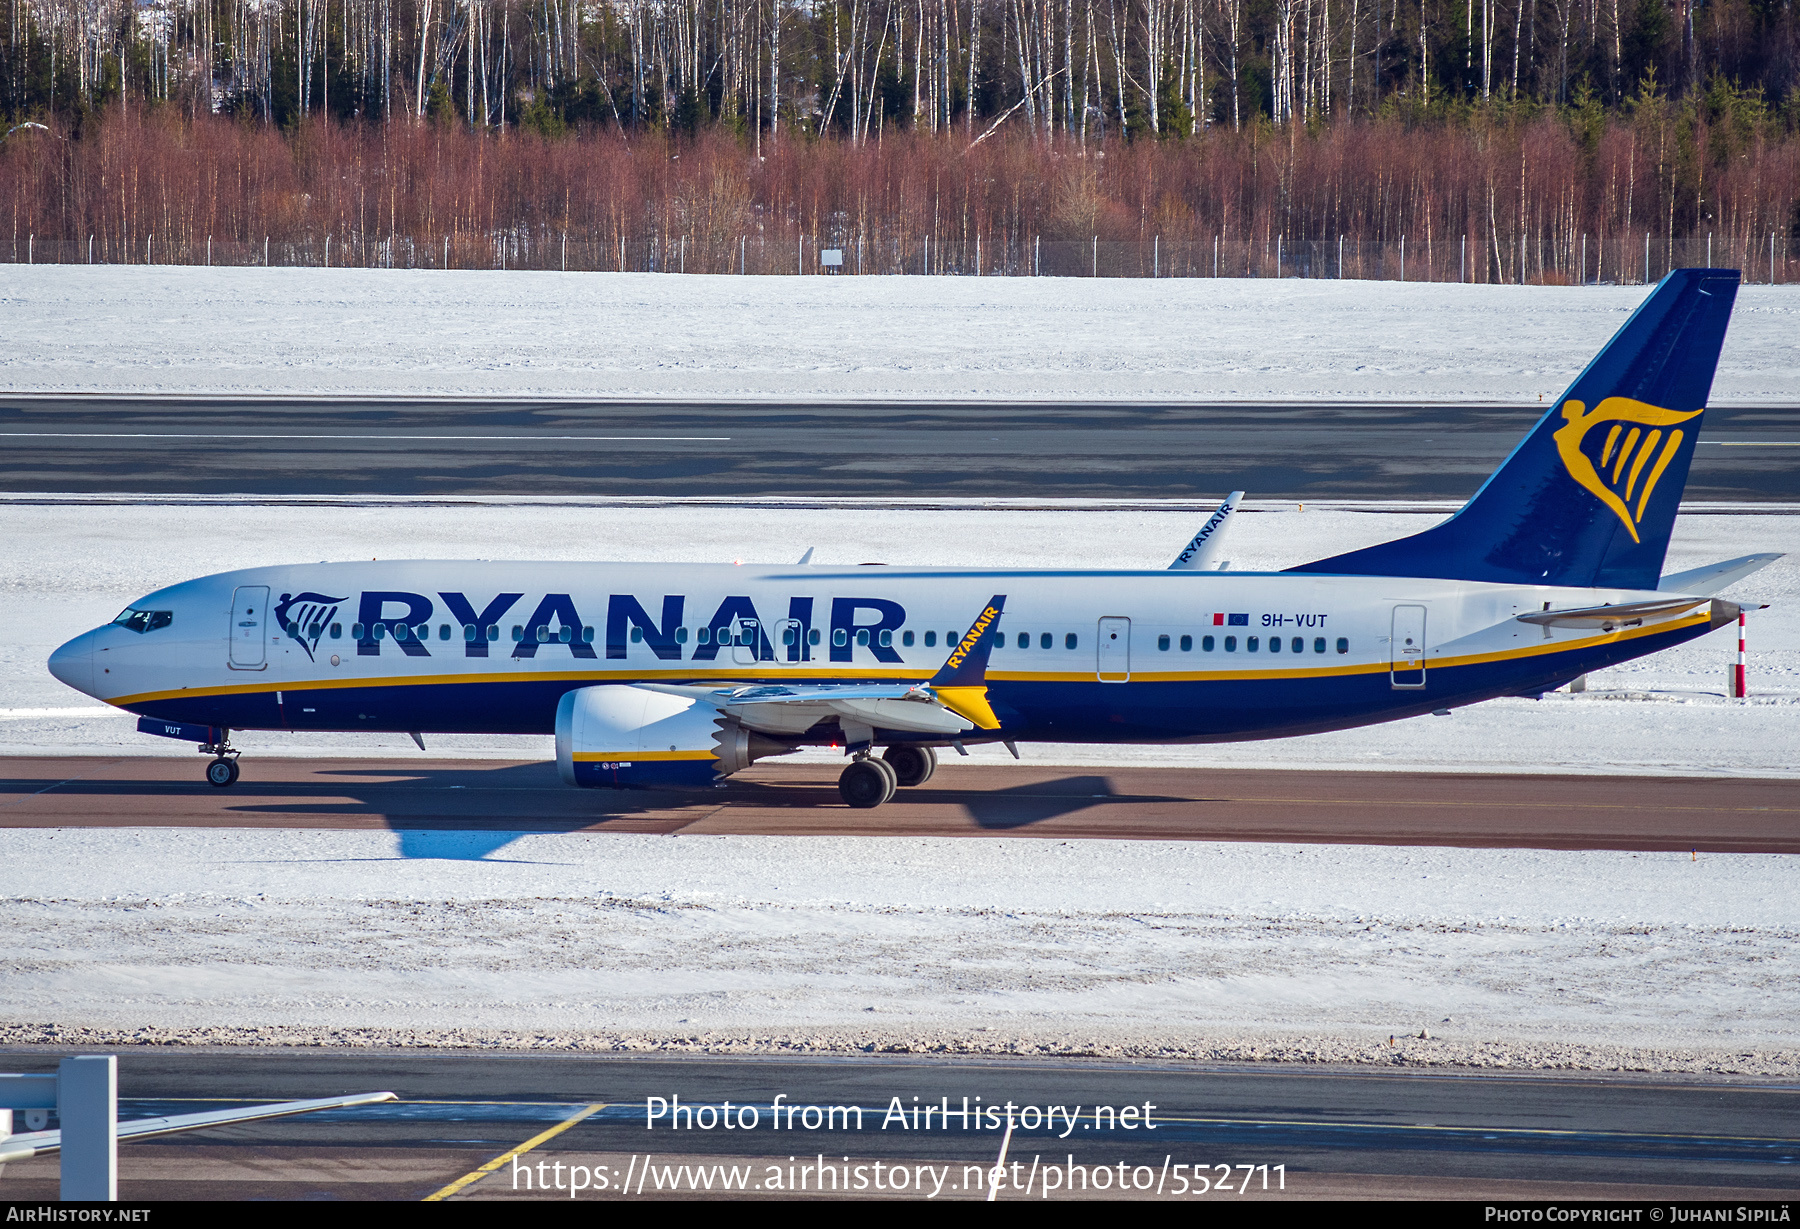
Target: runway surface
[
  {"x": 353, "y": 447},
  {"x": 1332, "y": 1133},
  {"x": 1721, "y": 815}
]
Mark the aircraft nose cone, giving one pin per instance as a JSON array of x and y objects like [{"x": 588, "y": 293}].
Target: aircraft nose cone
[{"x": 73, "y": 663}]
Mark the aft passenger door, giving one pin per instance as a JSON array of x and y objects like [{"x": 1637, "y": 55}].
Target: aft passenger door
[
  {"x": 1407, "y": 648},
  {"x": 1114, "y": 640},
  {"x": 249, "y": 619}
]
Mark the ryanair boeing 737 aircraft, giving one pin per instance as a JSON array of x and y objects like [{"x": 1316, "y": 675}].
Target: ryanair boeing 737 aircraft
[{"x": 668, "y": 676}]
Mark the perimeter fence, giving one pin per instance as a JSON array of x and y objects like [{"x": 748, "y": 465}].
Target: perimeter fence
[{"x": 1637, "y": 257}]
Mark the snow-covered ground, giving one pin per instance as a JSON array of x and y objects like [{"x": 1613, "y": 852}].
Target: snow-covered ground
[
  {"x": 66, "y": 567},
  {"x": 186, "y": 331},
  {"x": 1523, "y": 957}
]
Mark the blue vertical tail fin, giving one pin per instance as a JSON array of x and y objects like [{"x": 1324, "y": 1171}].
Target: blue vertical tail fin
[{"x": 1589, "y": 498}]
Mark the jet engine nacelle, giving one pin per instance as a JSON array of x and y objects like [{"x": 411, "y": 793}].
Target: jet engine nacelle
[{"x": 626, "y": 737}]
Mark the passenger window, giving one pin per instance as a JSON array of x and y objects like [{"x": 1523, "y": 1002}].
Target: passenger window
[
  {"x": 493, "y": 631},
  {"x": 722, "y": 635},
  {"x": 1046, "y": 641},
  {"x": 1162, "y": 642},
  {"x": 681, "y": 635},
  {"x": 931, "y": 640},
  {"x": 1070, "y": 641},
  {"x": 1024, "y": 640},
  {"x": 381, "y": 631},
  {"x": 1343, "y": 645},
  {"x": 1187, "y": 644},
  {"x": 518, "y": 632},
  {"x": 1231, "y": 644},
  {"x": 356, "y": 631},
  {"x": 337, "y": 631},
  {"x": 906, "y": 639},
  {"x": 952, "y": 637},
  {"x": 587, "y": 635},
  {"x": 885, "y": 640},
  {"x": 812, "y": 635},
  {"x": 839, "y": 638},
  {"x": 1250, "y": 644},
  {"x": 1318, "y": 644},
  {"x": 862, "y": 637},
  {"x": 470, "y": 633},
  {"x": 1299, "y": 645},
  {"x": 789, "y": 636},
  {"x": 1274, "y": 644},
  {"x": 637, "y": 635},
  {"x": 1206, "y": 644}
]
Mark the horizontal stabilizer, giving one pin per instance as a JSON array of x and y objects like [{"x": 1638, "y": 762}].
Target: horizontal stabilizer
[
  {"x": 1716, "y": 577},
  {"x": 1624, "y": 614}
]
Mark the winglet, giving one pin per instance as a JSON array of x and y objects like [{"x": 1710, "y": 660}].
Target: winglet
[
  {"x": 961, "y": 683},
  {"x": 1202, "y": 553}
]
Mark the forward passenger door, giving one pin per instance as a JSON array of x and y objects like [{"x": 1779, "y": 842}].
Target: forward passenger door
[{"x": 249, "y": 619}]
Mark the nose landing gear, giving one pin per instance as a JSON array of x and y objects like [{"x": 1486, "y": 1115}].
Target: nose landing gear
[{"x": 223, "y": 770}]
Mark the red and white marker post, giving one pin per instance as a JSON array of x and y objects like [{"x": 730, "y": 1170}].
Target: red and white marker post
[{"x": 1738, "y": 689}]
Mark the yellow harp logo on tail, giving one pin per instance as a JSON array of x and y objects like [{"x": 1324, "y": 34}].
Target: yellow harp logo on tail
[{"x": 1632, "y": 453}]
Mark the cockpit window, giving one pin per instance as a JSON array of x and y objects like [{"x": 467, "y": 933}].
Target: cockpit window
[{"x": 142, "y": 621}]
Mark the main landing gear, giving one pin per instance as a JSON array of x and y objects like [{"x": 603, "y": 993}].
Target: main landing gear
[
  {"x": 223, "y": 770},
  {"x": 870, "y": 780}
]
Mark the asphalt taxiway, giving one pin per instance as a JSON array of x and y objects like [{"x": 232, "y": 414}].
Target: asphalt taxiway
[
  {"x": 1722, "y": 815},
  {"x": 1327, "y": 1133},
  {"x": 758, "y": 450}
]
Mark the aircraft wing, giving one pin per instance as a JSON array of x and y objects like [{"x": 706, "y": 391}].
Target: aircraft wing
[
  {"x": 791, "y": 710},
  {"x": 777, "y": 709},
  {"x": 954, "y": 700}
]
